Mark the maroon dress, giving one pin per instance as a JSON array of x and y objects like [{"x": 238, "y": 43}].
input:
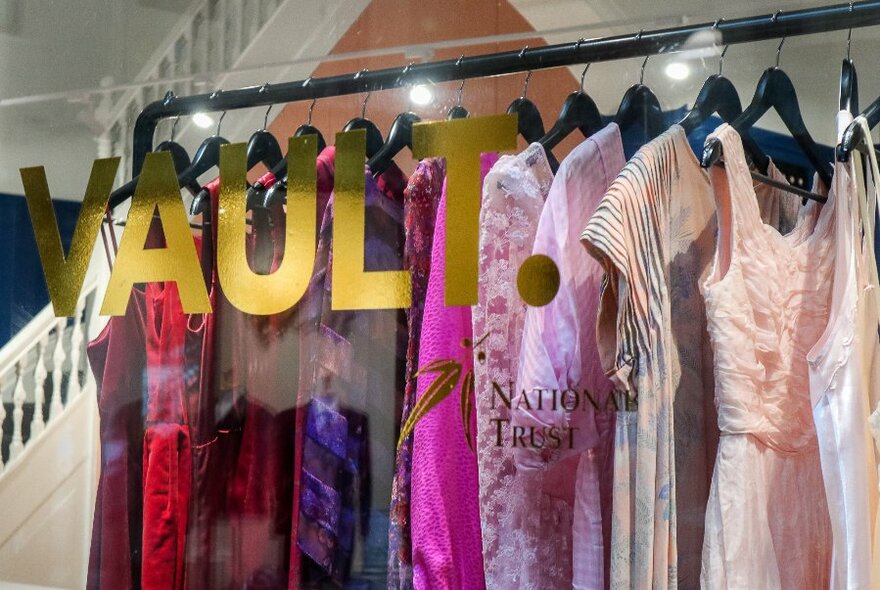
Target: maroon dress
[{"x": 118, "y": 361}]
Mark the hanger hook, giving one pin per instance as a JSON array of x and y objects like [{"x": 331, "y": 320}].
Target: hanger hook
[
  {"x": 367, "y": 97},
  {"x": 311, "y": 108},
  {"x": 314, "y": 100},
  {"x": 642, "y": 74},
  {"x": 584, "y": 75},
  {"x": 174, "y": 126},
  {"x": 721, "y": 60},
  {"x": 405, "y": 71},
  {"x": 779, "y": 51},
  {"x": 522, "y": 53},
  {"x": 263, "y": 89},
  {"x": 214, "y": 96},
  {"x": 849, "y": 36},
  {"x": 715, "y": 28},
  {"x": 460, "y": 92}
]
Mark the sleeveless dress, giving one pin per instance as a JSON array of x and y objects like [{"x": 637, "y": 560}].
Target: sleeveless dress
[
  {"x": 844, "y": 377},
  {"x": 767, "y": 303}
]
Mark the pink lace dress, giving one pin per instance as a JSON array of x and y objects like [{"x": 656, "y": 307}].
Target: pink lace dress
[
  {"x": 514, "y": 553},
  {"x": 767, "y": 302}
]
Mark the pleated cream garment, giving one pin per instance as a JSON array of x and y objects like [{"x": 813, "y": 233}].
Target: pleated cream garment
[
  {"x": 844, "y": 376},
  {"x": 767, "y": 302}
]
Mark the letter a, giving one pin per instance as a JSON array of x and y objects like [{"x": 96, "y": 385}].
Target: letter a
[{"x": 177, "y": 261}]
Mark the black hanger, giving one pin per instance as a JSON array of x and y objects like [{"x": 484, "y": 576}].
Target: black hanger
[
  {"x": 399, "y": 137},
  {"x": 263, "y": 148},
  {"x": 578, "y": 112},
  {"x": 529, "y": 123},
  {"x": 307, "y": 129},
  {"x": 640, "y": 105},
  {"x": 374, "y": 136},
  {"x": 718, "y": 95},
  {"x": 207, "y": 157},
  {"x": 849, "y": 80},
  {"x": 853, "y": 137},
  {"x": 775, "y": 90},
  {"x": 277, "y": 192},
  {"x": 457, "y": 111},
  {"x": 181, "y": 161}
]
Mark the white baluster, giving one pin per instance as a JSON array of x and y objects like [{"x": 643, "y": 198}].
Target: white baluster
[
  {"x": 2, "y": 420},
  {"x": 40, "y": 374},
  {"x": 76, "y": 338},
  {"x": 55, "y": 406},
  {"x": 18, "y": 397}
]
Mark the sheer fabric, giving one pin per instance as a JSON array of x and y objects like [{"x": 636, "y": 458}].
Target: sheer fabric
[
  {"x": 654, "y": 234},
  {"x": 510, "y": 501},
  {"x": 558, "y": 351},
  {"x": 768, "y": 301}
]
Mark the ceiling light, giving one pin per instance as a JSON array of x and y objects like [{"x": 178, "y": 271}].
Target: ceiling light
[
  {"x": 421, "y": 95},
  {"x": 677, "y": 70},
  {"x": 202, "y": 120}
]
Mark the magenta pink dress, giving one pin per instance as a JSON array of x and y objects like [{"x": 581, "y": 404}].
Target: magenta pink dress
[{"x": 446, "y": 542}]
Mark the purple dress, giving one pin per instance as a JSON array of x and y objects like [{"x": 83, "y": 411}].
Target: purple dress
[{"x": 447, "y": 545}]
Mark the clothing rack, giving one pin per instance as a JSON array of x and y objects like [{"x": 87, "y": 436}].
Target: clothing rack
[{"x": 644, "y": 43}]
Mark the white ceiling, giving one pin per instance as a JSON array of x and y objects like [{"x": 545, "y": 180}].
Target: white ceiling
[{"x": 49, "y": 46}]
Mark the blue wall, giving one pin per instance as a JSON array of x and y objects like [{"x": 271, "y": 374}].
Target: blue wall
[{"x": 22, "y": 286}]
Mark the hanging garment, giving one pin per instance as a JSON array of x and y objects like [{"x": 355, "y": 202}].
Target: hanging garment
[
  {"x": 341, "y": 388},
  {"x": 510, "y": 502},
  {"x": 844, "y": 377},
  {"x": 168, "y": 454},
  {"x": 558, "y": 352},
  {"x": 214, "y": 374},
  {"x": 420, "y": 200},
  {"x": 767, "y": 301},
  {"x": 447, "y": 550},
  {"x": 260, "y": 494},
  {"x": 117, "y": 359},
  {"x": 869, "y": 192},
  {"x": 304, "y": 315},
  {"x": 654, "y": 234}
]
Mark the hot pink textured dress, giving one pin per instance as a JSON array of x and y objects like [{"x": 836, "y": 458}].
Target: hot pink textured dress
[
  {"x": 767, "y": 302},
  {"x": 446, "y": 543}
]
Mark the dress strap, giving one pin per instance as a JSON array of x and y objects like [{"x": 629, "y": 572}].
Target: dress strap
[
  {"x": 868, "y": 195},
  {"x": 730, "y": 183}
]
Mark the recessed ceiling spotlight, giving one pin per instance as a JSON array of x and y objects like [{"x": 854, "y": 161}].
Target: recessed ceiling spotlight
[
  {"x": 421, "y": 95},
  {"x": 203, "y": 120},
  {"x": 677, "y": 70}
]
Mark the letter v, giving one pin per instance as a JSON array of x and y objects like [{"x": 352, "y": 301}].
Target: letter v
[{"x": 65, "y": 276}]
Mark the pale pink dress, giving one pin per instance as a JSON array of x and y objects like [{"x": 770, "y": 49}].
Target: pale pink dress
[
  {"x": 446, "y": 544},
  {"x": 559, "y": 351},
  {"x": 767, "y": 302}
]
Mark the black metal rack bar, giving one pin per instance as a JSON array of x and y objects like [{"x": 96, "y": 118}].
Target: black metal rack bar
[{"x": 741, "y": 30}]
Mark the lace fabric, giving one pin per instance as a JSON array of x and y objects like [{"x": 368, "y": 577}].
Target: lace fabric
[{"x": 523, "y": 530}]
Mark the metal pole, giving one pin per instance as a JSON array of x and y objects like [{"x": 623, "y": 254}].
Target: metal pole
[{"x": 742, "y": 30}]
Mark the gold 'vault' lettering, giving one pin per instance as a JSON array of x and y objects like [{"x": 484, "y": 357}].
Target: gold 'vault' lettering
[{"x": 460, "y": 141}]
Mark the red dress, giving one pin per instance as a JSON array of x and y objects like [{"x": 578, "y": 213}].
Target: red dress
[{"x": 118, "y": 362}]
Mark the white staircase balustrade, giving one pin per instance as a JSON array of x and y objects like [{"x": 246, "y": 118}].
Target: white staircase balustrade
[{"x": 24, "y": 375}]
